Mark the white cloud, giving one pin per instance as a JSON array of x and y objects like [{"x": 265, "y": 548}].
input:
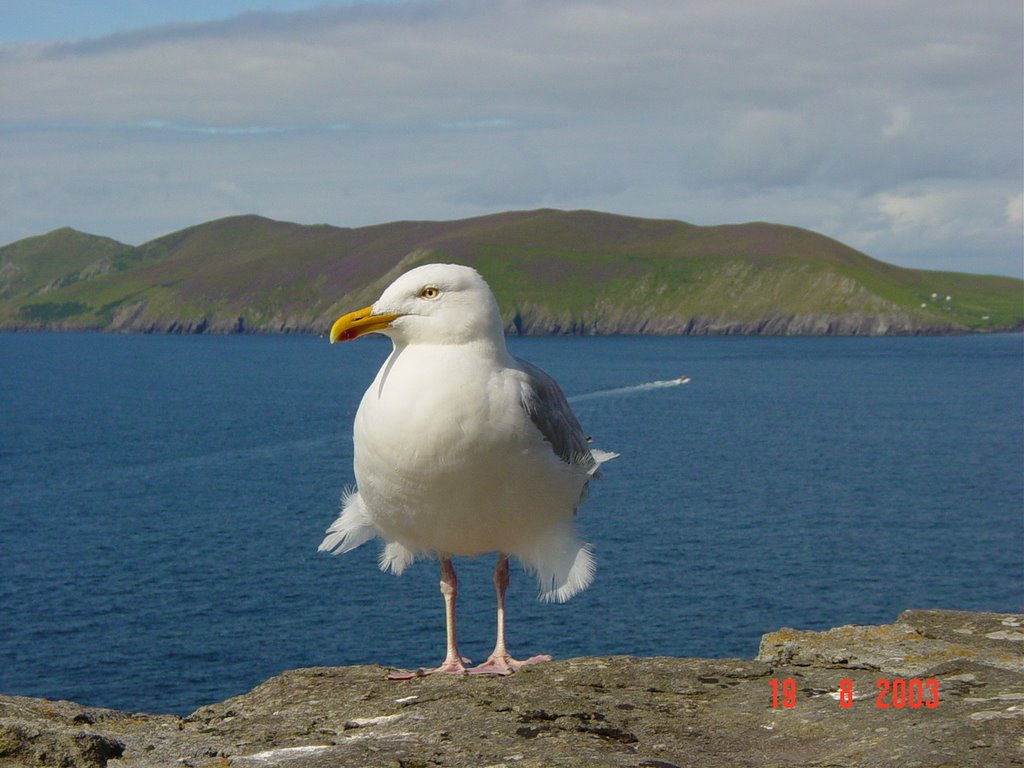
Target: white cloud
[
  {"x": 1015, "y": 211},
  {"x": 899, "y": 122},
  {"x": 926, "y": 213},
  {"x": 880, "y": 122},
  {"x": 938, "y": 215}
]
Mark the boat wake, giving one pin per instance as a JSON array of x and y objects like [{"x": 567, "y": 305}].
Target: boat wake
[{"x": 633, "y": 389}]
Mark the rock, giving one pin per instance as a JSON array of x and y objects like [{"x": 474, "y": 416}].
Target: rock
[
  {"x": 23, "y": 742},
  {"x": 597, "y": 711},
  {"x": 917, "y": 641},
  {"x": 533, "y": 322}
]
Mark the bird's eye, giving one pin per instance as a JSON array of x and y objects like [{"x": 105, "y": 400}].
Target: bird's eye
[{"x": 430, "y": 292}]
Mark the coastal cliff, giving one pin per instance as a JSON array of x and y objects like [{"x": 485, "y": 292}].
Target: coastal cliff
[
  {"x": 935, "y": 688},
  {"x": 552, "y": 272}
]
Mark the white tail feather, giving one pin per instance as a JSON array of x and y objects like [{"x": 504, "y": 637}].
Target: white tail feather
[
  {"x": 354, "y": 528},
  {"x": 351, "y": 529},
  {"x": 602, "y": 456},
  {"x": 395, "y": 558},
  {"x": 561, "y": 562}
]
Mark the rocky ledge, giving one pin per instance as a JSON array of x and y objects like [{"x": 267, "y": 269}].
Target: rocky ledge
[{"x": 935, "y": 688}]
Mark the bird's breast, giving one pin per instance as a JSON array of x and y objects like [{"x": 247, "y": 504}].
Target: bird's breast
[
  {"x": 423, "y": 414},
  {"x": 445, "y": 456}
]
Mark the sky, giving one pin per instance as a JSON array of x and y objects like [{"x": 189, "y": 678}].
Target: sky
[{"x": 895, "y": 126}]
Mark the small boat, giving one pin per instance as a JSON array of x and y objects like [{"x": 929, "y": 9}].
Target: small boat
[{"x": 683, "y": 379}]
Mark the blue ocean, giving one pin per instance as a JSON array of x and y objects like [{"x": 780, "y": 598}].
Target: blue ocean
[{"x": 162, "y": 499}]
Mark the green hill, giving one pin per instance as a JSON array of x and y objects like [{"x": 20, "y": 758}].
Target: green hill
[{"x": 552, "y": 272}]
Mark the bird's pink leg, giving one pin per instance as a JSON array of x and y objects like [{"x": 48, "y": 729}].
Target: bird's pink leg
[
  {"x": 453, "y": 662},
  {"x": 450, "y": 590},
  {"x": 500, "y": 662}
]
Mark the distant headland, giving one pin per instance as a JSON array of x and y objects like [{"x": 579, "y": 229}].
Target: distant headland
[{"x": 553, "y": 272}]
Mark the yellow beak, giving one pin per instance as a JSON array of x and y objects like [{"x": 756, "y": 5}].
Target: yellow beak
[{"x": 355, "y": 324}]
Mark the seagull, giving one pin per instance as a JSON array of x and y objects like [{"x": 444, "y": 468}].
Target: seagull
[{"x": 463, "y": 449}]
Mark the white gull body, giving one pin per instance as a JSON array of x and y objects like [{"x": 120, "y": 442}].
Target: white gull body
[{"x": 463, "y": 449}]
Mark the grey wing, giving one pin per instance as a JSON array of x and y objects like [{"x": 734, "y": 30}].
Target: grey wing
[{"x": 550, "y": 412}]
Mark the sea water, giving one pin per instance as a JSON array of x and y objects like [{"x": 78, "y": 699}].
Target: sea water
[{"x": 162, "y": 499}]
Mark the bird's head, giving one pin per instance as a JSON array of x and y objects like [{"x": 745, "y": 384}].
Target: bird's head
[{"x": 432, "y": 304}]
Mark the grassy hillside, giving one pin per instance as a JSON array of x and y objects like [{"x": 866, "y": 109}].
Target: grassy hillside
[
  {"x": 39, "y": 265},
  {"x": 552, "y": 272}
]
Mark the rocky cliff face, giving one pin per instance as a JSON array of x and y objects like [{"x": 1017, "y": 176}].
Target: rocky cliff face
[
  {"x": 847, "y": 324},
  {"x": 134, "y": 319},
  {"x": 935, "y": 688}
]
